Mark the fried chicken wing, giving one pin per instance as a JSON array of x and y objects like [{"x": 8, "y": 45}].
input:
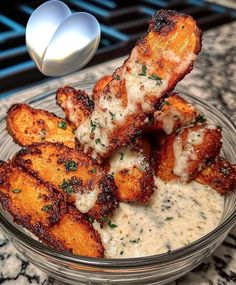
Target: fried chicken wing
[
  {"x": 220, "y": 175},
  {"x": 35, "y": 206},
  {"x": 28, "y": 125},
  {"x": 157, "y": 62},
  {"x": 184, "y": 155},
  {"x": 76, "y": 104},
  {"x": 73, "y": 174}
]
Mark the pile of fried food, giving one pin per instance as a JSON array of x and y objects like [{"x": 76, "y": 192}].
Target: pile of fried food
[{"x": 109, "y": 146}]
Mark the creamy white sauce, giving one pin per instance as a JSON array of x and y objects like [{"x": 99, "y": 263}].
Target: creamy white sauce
[
  {"x": 85, "y": 201},
  {"x": 185, "y": 153},
  {"x": 177, "y": 215},
  {"x": 168, "y": 119},
  {"x": 126, "y": 158},
  {"x": 110, "y": 112}
]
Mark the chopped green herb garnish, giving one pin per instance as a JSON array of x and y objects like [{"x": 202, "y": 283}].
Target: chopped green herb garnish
[
  {"x": 112, "y": 226},
  {"x": 121, "y": 252},
  {"x": 144, "y": 70},
  {"x": 104, "y": 219},
  {"x": 112, "y": 115},
  {"x": 135, "y": 240},
  {"x": 71, "y": 165},
  {"x": 90, "y": 219},
  {"x": 93, "y": 126},
  {"x": 97, "y": 141},
  {"x": 66, "y": 187},
  {"x": 169, "y": 218},
  {"x": 16, "y": 191},
  {"x": 94, "y": 170},
  {"x": 167, "y": 103},
  {"x": 157, "y": 78},
  {"x": 121, "y": 155},
  {"x": 117, "y": 77},
  {"x": 200, "y": 118},
  {"x": 47, "y": 208},
  {"x": 62, "y": 125}
]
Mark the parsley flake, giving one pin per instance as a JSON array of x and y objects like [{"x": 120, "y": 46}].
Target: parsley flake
[
  {"x": 97, "y": 141},
  {"x": 16, "y": 191},
  {"x": 47, "y": 208},
  {"x": 200, "y": 118},
  {"x": 71, "y": 165},
  {"x": 94, "y": 170},
  {"x": 66, "y": 187},
  {"x": 117, "y": 77},
  {"x": 93, "y": 126},
  {"x": 62, "y": 125},
  {"x": 144, "y": 71},
  {"x": 167, "y": 103},
  {"x": 157, "y": 78},
  {"x": 112, "y": 115},
  {"x": 121, "y": 155},
  {"x": 112, "y": 226}
]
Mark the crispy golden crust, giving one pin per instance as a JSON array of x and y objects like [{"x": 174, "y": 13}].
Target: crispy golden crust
[
  {"x": 71, "y": 172},
  {"x": 28, "y": 125},
  {"x": 76, "y": 104},
  {"x": 132, "y": 172},
  {"x": 36, "y": 206},
  {"x": 75, "y": 234},
  {"x": 99, "y": 85},
  {"x": 220, "y": 175},
  {"x": 175, "y": 113},
  {"x": 197, "y": 153},
  {"x": 167, "y": 51}
]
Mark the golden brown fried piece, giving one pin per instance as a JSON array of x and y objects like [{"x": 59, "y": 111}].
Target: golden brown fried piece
[
  {"x": 157, "y": 62},
  {"x": 175, "y": 113},
  {"x": 28, "y": 125},
  {"x": 73, "y": 174},
  {"x": 35, "y": 206},
  {"x": 76, "y": 104},
  {"x": 183, "y": 155},
  {"x": 100, "y": 85},
  {"x": 220, "y": 175},
  {"x": 132, "y": 172}
]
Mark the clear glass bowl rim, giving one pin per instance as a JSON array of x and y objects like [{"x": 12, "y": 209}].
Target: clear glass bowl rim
[{"x": 179, "y": 253}]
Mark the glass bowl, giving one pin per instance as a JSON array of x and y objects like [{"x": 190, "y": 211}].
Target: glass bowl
[{"x": 156, "y": 269}]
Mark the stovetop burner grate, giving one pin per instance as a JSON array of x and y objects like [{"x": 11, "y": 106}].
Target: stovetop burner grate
[{"x": 122, "y": 23}]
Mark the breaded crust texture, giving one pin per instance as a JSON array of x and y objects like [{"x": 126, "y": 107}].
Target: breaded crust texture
[{"x": 158, "y": 61}]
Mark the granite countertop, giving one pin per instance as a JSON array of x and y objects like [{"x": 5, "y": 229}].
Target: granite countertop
[{"x": 213, "y": 79}]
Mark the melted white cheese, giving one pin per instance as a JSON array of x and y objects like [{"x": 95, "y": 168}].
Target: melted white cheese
[
  {"x": 110, "y": 111},
  {"x": 126, "y": 158},
  {"x": 177, "y": 215},
  {"x": 85, "y": 201},
  {"x": 185, "y": 153}
]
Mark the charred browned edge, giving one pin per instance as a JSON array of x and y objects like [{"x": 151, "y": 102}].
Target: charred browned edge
[
  {"x": 107, "y": 200},
  {"x": 221, "y": 176},
  {"x": 78, "y": 96},
  {"x": 60, "y": 207},
  {"x": 162, "y": 22},
  {"x": 15, "y": 108},
  {"x": 55, "y": 200},
  {"x": 51, "y": 240}
]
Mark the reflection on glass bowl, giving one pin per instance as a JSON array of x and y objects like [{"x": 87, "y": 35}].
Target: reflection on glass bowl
[{"x": 156, "y": 269}]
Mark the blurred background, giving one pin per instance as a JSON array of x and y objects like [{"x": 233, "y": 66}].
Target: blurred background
[{"x": 122, "y": 22}]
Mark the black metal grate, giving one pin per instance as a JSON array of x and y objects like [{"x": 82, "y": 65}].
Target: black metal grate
[{"x": 122, "y": 23}]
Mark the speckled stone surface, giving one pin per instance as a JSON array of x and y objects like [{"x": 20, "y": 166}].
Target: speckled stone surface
[{"x": 214, "y": 79}]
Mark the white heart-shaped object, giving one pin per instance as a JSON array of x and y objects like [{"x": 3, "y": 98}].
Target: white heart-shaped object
[{"x": 60, "y": 42}]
